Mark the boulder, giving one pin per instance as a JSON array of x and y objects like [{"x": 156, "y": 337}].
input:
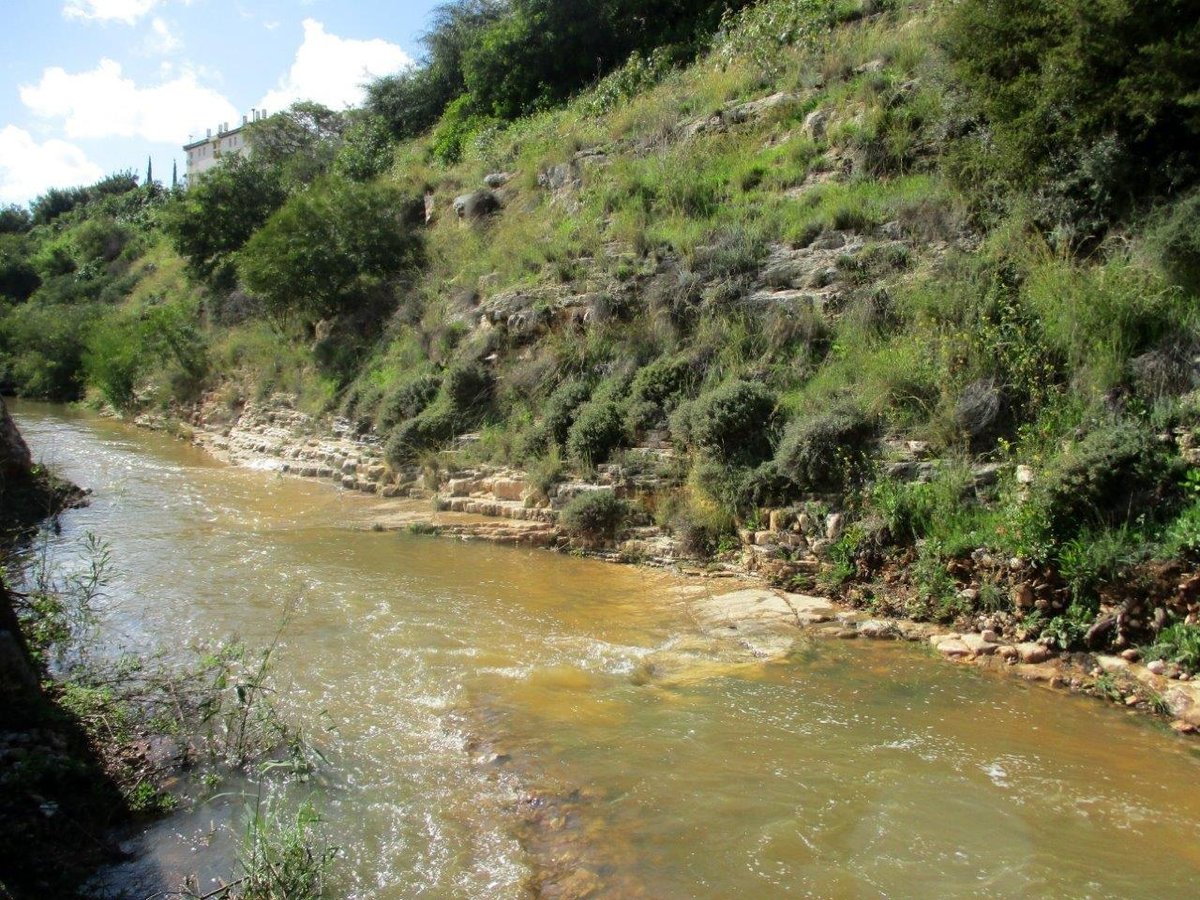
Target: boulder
[
  {"x": 475, "y": 206},
  {"x": 1033, "y": 653}
]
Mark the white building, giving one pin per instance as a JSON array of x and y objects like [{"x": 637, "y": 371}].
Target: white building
[{"x": 203, "y": 154}]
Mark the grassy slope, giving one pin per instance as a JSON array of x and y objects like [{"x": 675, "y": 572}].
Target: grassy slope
[{"x": 931, "y": 311}]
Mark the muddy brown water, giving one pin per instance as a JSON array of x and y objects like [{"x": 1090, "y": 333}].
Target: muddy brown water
[{"x": 499, "y": 721}]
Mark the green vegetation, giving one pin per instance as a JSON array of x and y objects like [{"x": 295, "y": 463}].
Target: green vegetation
[
  {"x": 795, "y": 239},
  {"x": 595, "y": 515}
]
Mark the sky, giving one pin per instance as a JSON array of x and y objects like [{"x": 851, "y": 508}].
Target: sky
[{"x": 92, "y": 87}]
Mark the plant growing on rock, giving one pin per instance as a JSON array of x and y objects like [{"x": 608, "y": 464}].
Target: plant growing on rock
[
  {"x": 829, "y": 451},
  {"x": 598, "y": 431},
  {"x": 735, "y": 423},
  {"x": 595, "y": 516}
]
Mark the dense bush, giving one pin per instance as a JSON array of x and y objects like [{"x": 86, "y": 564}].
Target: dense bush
[
  {"x": 18, "y": 278},
  {"x": 827, "y": 451},
  {"x": 735, "y": 423},
  {"x": 1092, "y": 104},
  {"x": 1177, "y": 238},
  {"x": 595, "y": 515},
  {"x": 407, "y": 400},
  {"x": 656, "y": 391},
  {"x": 598, "y": 430},
  {"x": 430, "y": 429},
  {"x": 323, "y": 250},
  {"x": 218, "y": 214},
  {"x": 1102, "y": 480},
  {"x": 468, "y": 388},
  {"x": 558, "y": 413}
]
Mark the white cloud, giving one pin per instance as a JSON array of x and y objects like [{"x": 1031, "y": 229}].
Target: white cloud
[
  {"x": 161, "y": 39},
  {"x": 103, "y": 103},
  {"x": 127, "y": 11},
  {"x": 28, "y": 168},
  {"x": 332, "y": 70}
]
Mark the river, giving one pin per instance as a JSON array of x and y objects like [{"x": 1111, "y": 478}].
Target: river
[{"x": 498, "y": 718}]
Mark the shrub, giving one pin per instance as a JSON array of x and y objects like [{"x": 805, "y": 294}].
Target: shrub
[
  {"x": 468, "y": 388},
  {"x": 595, "y": 515},
  {"x": 1092, "y": 103},
  {"x": 735, "y": 423},
  {"x": 559, "y": 411},
  {"x": 656, "y": 390},
  {"x": 408, "y": 400},
  {"x": 1177, "y": 237},
  {"x": 320, "y": 253},
  {"x": 828, "y": 451},
  {"x": 429, "y": 430},
  {"x": 597, "y": 431},
  {"x": 1179, "y": 643},
  {"x": 1100, "y": 479}
]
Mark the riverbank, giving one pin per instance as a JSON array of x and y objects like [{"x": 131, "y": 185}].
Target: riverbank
[
  {"x": 608, "y": 709},
  {"x": 502, "y": 505}
]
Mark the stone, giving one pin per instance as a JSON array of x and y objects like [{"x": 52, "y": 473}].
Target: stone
[
  {"x": 763, "y": 538},
  {"x": 878, "y": 629},
  {"x": 475, "y": 206},
  {"x": 496, "y": 180},
  {"x": 508, "y": 489},
  {"x": 1023, "y": 596},
  {"x": 970, "y": 595},
  {"x": 777, "y": 520},
  {"x": 1008, "y": 651},
  {"x": 954, "y": 648},
  {"x": 978, "y": 646},
  {"x": 816, "y": 123},
  {"x": 989, "y": 635},
  {"x": 1033, "y": 653},
  {"x": 835, "y": 524},
  {"x": 1024, "y": 475},
  {"x": 1156, "y": 667}
]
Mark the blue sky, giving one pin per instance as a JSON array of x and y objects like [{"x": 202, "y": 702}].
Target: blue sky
[{"x": 89, "y": 87}]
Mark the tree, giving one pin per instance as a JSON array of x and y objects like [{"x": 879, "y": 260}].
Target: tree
[
  {"x": 15, "y": 219},
  {"x": 327, "y": 247},
  {"x": 217, "y": 215},
  {"x": 301, "y": 142}
]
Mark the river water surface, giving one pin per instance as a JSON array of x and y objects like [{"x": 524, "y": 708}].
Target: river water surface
[{"x": 497, "y": 719}]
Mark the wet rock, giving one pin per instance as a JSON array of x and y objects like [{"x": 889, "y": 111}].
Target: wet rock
[
  {"x": 954, "y": 648},
  {"x": 879, "y": 629},
  {"x": 978, "y": 646},
  {"x": 1033, "y": 653}
]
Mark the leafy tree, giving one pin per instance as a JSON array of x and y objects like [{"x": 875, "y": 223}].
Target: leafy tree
[
  {"x": 325, "y": 249},
  {"x": 301, "y": 142},
  {"x": 18, "y": 278},
  {"x": 15, "y": 219},
  {"x": 366, "y": 150},
  {"x": 413, "y": 101},
  {"x": 216, "y": 216}
]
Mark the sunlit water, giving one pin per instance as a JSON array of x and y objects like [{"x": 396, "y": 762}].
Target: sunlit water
[{"x": 449, "y": 683}]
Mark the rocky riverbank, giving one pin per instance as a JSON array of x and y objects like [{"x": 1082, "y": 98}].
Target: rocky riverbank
[{"x": 505, "y": 506}]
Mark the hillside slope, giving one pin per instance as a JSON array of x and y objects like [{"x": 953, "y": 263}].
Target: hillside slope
[{"x": 896, "y": 298}]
